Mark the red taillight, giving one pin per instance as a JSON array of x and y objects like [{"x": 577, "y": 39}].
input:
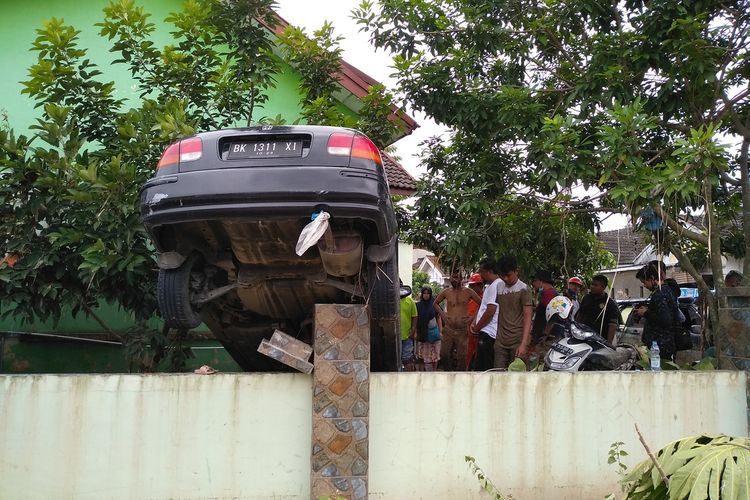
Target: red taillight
[
  {"x": 171, "y": 156},
  {"x": 354, "y": 145},
  {"x": 182, "y": 151},
  {"x": 340, "y": 143},
  {"x": 362, "y": 147}
]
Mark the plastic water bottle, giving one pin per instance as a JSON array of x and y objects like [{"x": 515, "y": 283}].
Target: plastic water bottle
[{"x": 655, "y": 359}]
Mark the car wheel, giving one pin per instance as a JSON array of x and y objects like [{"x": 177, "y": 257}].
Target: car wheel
[
  {"x": 173, "y": 294},
  {"x": 383, "y": 302}
]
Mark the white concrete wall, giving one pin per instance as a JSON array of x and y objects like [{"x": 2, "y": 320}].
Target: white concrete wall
[
  {"x": 405, "y": 262},
  {"x": 537, "y": 435}
]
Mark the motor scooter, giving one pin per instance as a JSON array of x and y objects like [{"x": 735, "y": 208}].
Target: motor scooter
[{"x": 582, "y": 349}]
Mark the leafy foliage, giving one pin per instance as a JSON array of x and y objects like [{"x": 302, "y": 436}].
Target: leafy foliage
[
  {"x": 466, "y": 214},
  {"x": 69, "y": 191},
  {"x": 696, "y": 467},
  {"x": 318, "y": 58},
  {"x": 646, "y": 101},
  {"x": 484, "y": 481}
]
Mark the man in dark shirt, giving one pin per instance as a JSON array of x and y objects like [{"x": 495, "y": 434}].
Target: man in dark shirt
[
  {"x": 598, "y": 310},
  {"x": 543, "y": 283},
  {"x": 659, "y": 314}
]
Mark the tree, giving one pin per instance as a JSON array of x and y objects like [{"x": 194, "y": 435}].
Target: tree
[
  {"x": 69, "y": 191},
  {"x": 421, "y": 279},
  {"x": 318, "y": 58},
  {"x": 647, "y": 101}
]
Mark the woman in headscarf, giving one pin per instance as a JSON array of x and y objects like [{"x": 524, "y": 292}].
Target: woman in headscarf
[{"x": 429, "y": 330}]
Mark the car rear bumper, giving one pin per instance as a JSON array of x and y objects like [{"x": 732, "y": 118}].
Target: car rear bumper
[{"x": 267, "y": 193}]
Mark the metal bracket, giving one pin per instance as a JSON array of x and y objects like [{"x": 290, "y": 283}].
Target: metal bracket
[
  {"x": 381, "y": 253},
  {"x": 342, "y": 285},
  {"x": 216, "y": 292},
  {"x": 170, "y": 260}
]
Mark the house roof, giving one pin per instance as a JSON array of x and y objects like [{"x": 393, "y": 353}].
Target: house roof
[
  {"x": 358, "y": 83},
  {"x": 399, "y": 180},
  {"x": 428, "y": 260},
  {"x": 625, "y": 244}
]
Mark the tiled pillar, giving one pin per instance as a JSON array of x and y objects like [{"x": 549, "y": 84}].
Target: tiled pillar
[
  {"x": 733, "y": 336},
  {"x": 341, "y": 402}
]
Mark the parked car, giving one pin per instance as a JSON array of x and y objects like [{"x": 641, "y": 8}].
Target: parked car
[
  {"x": 632, "y": 329},
  {"x": 225, "y": 210}
]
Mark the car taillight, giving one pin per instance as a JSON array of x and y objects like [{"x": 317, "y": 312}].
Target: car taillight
[
  {"x": 340, "y": 143},
  {"x": 182, "y": 151},
  {"x": 362, "y": 147},
  {"x": 354, "y": 145}
]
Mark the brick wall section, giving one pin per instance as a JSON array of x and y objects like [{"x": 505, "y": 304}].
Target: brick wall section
[{"x": 341, "y": 402}]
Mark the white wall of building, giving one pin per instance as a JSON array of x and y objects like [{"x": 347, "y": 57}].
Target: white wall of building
[{"x": 405, "y": 260}]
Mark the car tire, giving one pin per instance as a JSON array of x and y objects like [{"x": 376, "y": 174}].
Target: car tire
[
  {"x": 173, "y": 294},
  {"x": 384, "y": 302},
  {"x": 382, "y": 293}
]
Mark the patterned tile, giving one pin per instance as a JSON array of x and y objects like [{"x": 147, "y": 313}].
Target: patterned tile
[
  {"x": 295, "y": 347},
  {"x": 287, "y": 358}
]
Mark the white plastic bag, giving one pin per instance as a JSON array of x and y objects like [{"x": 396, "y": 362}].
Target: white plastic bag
[{"x": 312, "y": 232}]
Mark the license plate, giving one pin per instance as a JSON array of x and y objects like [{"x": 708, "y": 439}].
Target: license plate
[
  {"x": 562, "y": 349},
  {"x": 265, "y": 149}
]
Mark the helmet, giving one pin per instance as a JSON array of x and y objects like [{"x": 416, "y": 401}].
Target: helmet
[
  {"x": 474, "y": 279},
  {"x": 576, "y": 281},
  {"x": 560, "y": 306}
]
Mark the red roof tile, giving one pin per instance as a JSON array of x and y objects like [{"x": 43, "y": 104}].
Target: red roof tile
[{"x": 399, "y": 179}]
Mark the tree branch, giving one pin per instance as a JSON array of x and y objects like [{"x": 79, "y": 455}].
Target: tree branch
[
  {"x": 729, "y": 179},
  {"x": 688, "y": 266},
  {"x": 106, "y": 327},
  {"x": 743, "y": 129},
  {"x": 745, "y": 183},
  {"x": 652, "y": 457},
  {"x": 678, "y": 229}
]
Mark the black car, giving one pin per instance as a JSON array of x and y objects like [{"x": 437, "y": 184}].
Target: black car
[{"x": 225, "y": 211}]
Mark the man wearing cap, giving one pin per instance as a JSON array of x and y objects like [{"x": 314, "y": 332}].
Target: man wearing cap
[
  {"x": 476, "y": 284},
  {"x": 455, "y": 322},
  {"x": 574, "y": 290}
]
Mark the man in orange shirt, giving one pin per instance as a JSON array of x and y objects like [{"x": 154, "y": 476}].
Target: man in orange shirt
[{"x": 476, "y": 284}]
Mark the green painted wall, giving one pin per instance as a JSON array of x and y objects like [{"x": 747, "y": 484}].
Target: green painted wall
[{"x": 18, "y": 23}]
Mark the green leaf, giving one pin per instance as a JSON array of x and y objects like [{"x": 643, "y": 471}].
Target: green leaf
[{"x": 517, "y": 365}]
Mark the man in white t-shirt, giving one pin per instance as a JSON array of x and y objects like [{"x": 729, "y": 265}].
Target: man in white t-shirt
[{"x": 485, "y": 324}]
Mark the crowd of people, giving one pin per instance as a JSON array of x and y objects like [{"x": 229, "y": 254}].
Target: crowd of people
[{"x": 498, "y": 318}]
